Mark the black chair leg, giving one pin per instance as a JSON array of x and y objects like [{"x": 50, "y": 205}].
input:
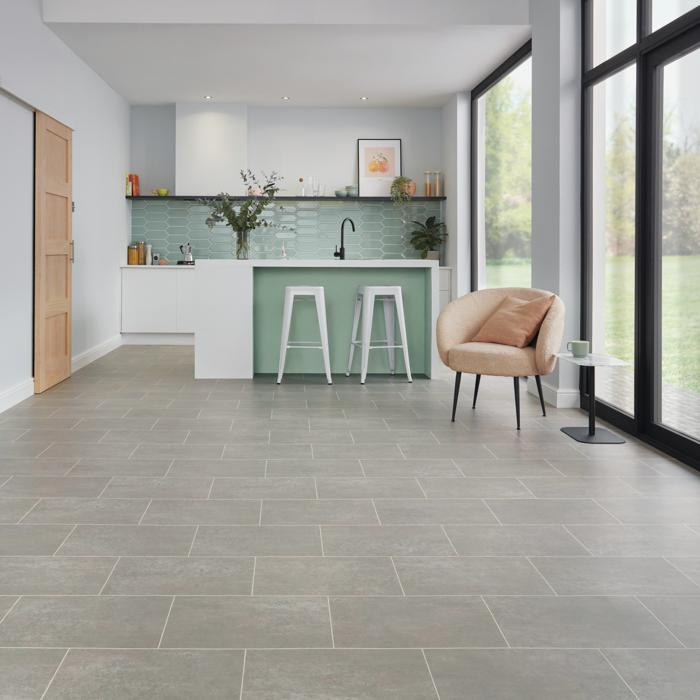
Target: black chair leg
[
  {"x": 516, "y": 387},
  {"x": 476, "y": 389},
  {"x": 458, "y": 381},
  {"x": 539, "y": 391}
]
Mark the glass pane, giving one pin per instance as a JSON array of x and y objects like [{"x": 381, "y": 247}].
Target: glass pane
[
  {"x": 612, "y": 183},
  {"x": 507, "y": 173},
  {"x": 665, "y": 11},
  {"x": 614, "y": 27},
  {"x": 680, "y": 248}
]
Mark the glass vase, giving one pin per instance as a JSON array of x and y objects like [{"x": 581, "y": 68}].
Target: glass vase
[{"x": 242, "y": 245}]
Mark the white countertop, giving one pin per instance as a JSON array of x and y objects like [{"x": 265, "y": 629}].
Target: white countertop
[{"x": 299, "y": 263}]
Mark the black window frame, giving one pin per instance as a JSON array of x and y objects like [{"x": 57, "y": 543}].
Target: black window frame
[
  {"x": 645, "y": 55},
  {"x": 508, "y": 66}
]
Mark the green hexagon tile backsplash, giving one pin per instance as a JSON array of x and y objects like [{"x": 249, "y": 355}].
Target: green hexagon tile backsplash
[{"x": 309, "y": 230}]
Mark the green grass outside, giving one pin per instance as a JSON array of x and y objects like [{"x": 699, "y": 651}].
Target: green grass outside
[{"x": 680, "y": 311}]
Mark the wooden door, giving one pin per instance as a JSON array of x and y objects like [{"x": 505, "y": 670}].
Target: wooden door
[{"x": 53, "y": 248}]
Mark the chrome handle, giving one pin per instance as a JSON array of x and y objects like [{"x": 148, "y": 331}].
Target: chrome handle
[{"x": 72, "y": 251}]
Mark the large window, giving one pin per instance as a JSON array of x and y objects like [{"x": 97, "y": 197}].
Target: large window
[
  {"x": 641, "y": 195},
  {"x": 502, "y": 176}
]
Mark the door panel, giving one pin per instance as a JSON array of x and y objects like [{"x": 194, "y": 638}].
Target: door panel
[{"x": 52, "y": 252}]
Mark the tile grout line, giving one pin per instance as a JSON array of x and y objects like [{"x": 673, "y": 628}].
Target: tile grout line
[
  {"x": 194, "y": 537},
  {"x": 109, "y": 576},
  {"x": 566, "y": 529},
  {"x": 680, "y": 571},
  {"x": 252, "y": 580},
  {"x": 619, "y": 675},
  {"x": 376, "y": 512},
  {"x": 546, "y": 459},
  {"x": 29, "y": 511},
  {"x": 495, "y": 621},
  {"x": 498, "y": 520},
  {"x": 542, "y": 576},
  {"x": 320, "y": 534},
  {"x": 430, "y": 673},
  {"x": 11, "y": 608},
  {"x": 260, "y": 513},
  {"x": 420, "y": 486},
  {"x": 165, "y": 624},
  {"x": 143, "y": 515},
  {"x": 655, "y": 616},
  {"x": 612, "y": 515},
  {"x": 211, "y": 487},
  {"x": 398, "y": 578},
  {"x": 444, "y": 532},
  {"x": 245, "y": 654},
  {"x": 109, "y": 481},
  {"x": 330, "y": 620},
  {"x": 55, "y": 673},
  {"x": 65, "y": 539}
]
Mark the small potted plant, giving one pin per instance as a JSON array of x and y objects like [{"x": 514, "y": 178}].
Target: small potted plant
[
  {"x": 427, "y": 237},
  {"x": 402, "y": 189},
  {"x": 243, "y": 215}
]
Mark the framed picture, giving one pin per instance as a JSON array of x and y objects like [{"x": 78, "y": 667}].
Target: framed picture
[{"x": 378, "y": 163}]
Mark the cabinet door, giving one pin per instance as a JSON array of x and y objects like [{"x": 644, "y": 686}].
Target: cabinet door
[
  {"x": 186, "y": 311},
  {"x": 149, "y": 301}
]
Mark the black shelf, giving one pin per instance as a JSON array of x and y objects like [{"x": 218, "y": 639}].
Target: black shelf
[{"x": 194, "y": 198}]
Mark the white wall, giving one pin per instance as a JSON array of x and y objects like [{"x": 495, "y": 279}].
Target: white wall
[
  {"x": 39, "y": 69},
  {"x": 16, "y": 237},
  {"x": 210, "y": 147},
  {"x": 322, "y": 142},
  {"x": 153, "y": 146}
]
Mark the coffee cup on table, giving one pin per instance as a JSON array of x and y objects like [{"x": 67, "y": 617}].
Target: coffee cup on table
[{"x": 578, "y": 348}]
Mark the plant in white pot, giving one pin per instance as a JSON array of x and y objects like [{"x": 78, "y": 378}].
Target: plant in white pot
[{"x": 427, "y": 237}]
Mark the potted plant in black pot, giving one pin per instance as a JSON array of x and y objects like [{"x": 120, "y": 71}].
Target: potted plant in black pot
[{"x": 427, "y": 237}]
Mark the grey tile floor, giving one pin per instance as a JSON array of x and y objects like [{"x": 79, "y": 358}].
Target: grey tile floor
[{"x": 168, "y": 538}]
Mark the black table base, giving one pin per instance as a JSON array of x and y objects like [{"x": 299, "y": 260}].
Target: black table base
[{"x": 590, "y": 435}]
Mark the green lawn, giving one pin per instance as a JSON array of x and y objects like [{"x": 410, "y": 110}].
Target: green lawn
[{"x": 680, "y": 311}]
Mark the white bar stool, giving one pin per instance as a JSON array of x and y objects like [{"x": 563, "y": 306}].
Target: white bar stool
[
  {"x": 290, "y": 294},
  {"x": 392, "y": 301}
]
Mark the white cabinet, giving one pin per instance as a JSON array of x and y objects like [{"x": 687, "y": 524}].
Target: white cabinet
[
  {"x": 157, "y": 300},
  {"x": 445, "y": 277}
]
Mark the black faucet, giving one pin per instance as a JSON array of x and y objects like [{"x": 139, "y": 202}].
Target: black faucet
[{"x": 341, "y": 253}]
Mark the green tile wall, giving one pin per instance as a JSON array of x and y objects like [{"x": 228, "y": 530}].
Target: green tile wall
[{"x": 310, "y": 230}]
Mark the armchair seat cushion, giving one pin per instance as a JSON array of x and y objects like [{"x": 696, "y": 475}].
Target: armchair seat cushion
[{"x": 493, "y": 359}]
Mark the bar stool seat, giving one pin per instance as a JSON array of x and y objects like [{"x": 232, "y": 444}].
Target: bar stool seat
[
  {"x": 392, "y": 301},
  {"x": 290, "y": 294}
]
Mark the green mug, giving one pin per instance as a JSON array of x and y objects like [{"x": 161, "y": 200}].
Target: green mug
[{"x": 578, "y": 348}]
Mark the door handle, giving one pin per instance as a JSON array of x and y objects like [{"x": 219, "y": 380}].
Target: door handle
[{"x": 72, "y": 251}]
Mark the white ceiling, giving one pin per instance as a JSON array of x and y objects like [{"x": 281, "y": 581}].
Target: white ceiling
[{"x": 411, "y": 63}]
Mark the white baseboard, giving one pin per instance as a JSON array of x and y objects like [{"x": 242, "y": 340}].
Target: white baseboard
[
  {"x": 559, "y": 398},
  {"x": 15, "y": 394},
  {"x": 157, "y": 338},
  {"x": 94, "y": 353}
]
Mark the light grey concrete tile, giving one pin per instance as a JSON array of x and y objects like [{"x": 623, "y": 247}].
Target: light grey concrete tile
[
  {"x": 178, "y": 452},
  {"x": 181, "y": 576},
  {"x": 13, "y": 509},
  {"x": 325, "y": 576},
  {"x": 423, "y": 451},
  {"x": 23, "y": 450},
  {"x": 26, "y": 539},
  {"x": 314, "y": 467},
  {"x": 409, "y": 467},
  {"x": 85, "y": 621},
  {"x": 375, "y": 487},
  {"x": 153, "y": 487},
  {"x": 257, "y": 487},
  {"x": 549, "y": 511},
  {"x": 659, "y": 673},
  {"x": 468, "y": 487},
  {"x": 75, "y": 450},
  {"x": 30, "y": 421},
  {"x": 115, "y": 511},
  {"x": 526, "y": 674},
  {"x": 430, "y": 512},
  {"x": 120, "y": 467},
  {"x": 128, "y": 540},
  {"x": 680, "y": 614},
  {"x": 579, "y": 487},
  {"x": 243, "y": 540},
  {"x": 226, "y": 437},
  {"x": 146, "y": 414},
  {"x": 321, "y": 512},
  {"x": 395, "y": 622},
  {"x": 664, "y": 486},
  {"x": 352, "y": 424},
  {"x": 589, "y": 621},
  {"x": 369, "y": 437},
  {"x": 638, "y": 540},
  {"x": 155, "y": 436},
  {"x": 36, "y": 467},
  {"x": 374, "y": 451},
  {"x": 77, "y": 412},
  {"x": 254, "y": 451},
  {"x": 505, "y": 467},
  {"x": 28, "y": 486},
  {"x": 469, "y": 576},
  {"x": 240, "y": 622},
  {"x": 690, "y": 566},
  {"x": 194, "y": 425},
  {"x": 508, "y": 540},
  {"x": 601, "y": 467},
  {"x": 337, "y": 674},
  {"x": 122, "y": 674},
  {"x": 25, "y": 673},
  {"x": 308, "y": 437},
  {"x": 29, "y": 575},
  {"x": 529, "y": 450},
  {"x": 217, "y": 467},
  {"x": 613, "y": 576},
  {"x": 61, "y": 435},
  {"x": 385, "y": 540},
  {"x": 202, "y": 512},
  {"x": 117, "y": 424},
  {"x": 647, "y": 511}
]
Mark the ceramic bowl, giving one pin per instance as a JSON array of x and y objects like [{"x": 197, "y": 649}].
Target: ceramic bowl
[
  {"x": 341, "y": 193},
  {"x": 351, "y": 190}
]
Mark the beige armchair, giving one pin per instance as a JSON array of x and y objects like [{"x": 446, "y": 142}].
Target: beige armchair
[{"x": 461, "y": 319}]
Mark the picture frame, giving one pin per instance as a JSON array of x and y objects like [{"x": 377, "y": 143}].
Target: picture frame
[{"x": 379, "y": 161}]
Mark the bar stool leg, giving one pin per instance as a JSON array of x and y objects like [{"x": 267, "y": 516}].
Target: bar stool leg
[
  {"x": 286, "y": 322},
  {"x": 389, "y": 315},
  {"x": 367, "y": 315},
  {"x": 320, "y": 298},
  {"x": 402, "y": 330},
  {"x": 353, "y": 336}
]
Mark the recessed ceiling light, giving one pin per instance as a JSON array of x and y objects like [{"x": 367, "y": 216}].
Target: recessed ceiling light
[
  {"x": 285, "y": 98},
  {"x": 364, "y": 98},
  {"x": 208, "y": 97}
]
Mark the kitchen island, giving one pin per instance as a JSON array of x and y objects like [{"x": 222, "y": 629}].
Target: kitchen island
[{"x": 239, "y": 314}]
